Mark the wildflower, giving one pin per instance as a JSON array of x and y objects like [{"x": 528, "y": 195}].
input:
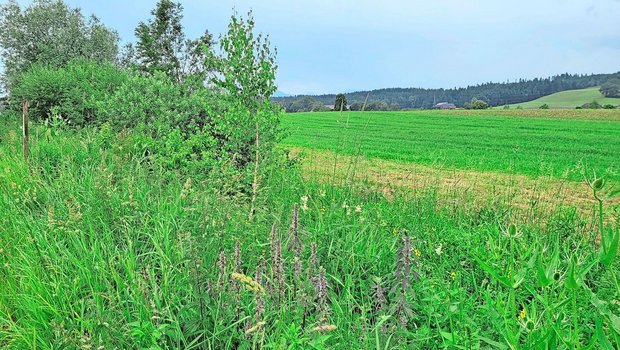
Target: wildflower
[
  {"x": 345, "y": 205},
  {"x": 322, "y": 193},
  {"x": 395, "y": 230},
  {"x": 383, "y": 223},
  {"x": 249, "y": 283},
  {"x": 417, "y": 252},
  {"x": 438, "y": 250},
  {"x": 260, "y": 302},
  {"x": 522, "y": 314},
  {"x": 256, "y": 328},
  {"x": 304, "y": 203},
  {"x": 237, "y": 255},
  {"x": 358, "y": 209},
  {"x": 453, "y": 275},
  {"x": 314, "y": 260},
  {"x": 323, "y": 210}
]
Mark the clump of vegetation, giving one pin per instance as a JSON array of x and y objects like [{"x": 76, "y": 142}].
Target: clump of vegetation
[
  {"x": 591, "y": 105},
  {"x": 611, "y": 88},
  {"x": 476, "y": 104},
  {"x": 340, "y": 103},
  {"x": 544, "y": 106}
]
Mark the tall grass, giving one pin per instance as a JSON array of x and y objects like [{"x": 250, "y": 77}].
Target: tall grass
[{"x": 101, "y": 250}]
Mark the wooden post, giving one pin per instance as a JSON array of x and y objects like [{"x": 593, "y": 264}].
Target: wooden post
[{"x": 25, "y": 125}]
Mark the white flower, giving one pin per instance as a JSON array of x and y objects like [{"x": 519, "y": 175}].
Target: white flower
[
  {"x": 304, "y": 203},
  {"x": 322, "y": 193},
  {"x": 358, "y": 209},
  {"x": 438, "y": 250}
]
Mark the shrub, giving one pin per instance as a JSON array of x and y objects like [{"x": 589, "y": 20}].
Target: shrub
[
  {"x": 609, "y": 106},
  {"x": 73, "y": 90},
  {"x": 544, "y": 106},
  {"x": 591, "y": 105}
]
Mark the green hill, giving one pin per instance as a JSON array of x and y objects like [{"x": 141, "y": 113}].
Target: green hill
[{"x": 569, "y": 99}]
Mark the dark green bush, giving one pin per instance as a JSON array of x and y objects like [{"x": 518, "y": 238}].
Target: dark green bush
[
  {"x": 591, "y": 105},
  {"x": 544, "y": 106},
  {"x": 73, "y": 90}
]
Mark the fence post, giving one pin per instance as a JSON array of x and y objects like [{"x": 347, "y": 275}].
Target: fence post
[{"x": 25, "y": 125}]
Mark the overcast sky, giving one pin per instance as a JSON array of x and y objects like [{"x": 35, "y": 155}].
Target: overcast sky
[{"x": 334, "y": 46}]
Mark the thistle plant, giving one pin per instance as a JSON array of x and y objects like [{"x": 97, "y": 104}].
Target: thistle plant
[
  {"x": 402, "y": 283},
  {"x": 221, "y": 264},
  {"x": 321, "y": 298}
]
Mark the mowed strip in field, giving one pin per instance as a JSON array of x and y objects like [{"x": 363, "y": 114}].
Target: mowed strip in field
[
  {"x": 557, "y": 144},
  {"x": 524, "y": 158}
]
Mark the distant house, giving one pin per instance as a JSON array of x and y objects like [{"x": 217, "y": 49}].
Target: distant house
[{"x": 444, "y": 105}]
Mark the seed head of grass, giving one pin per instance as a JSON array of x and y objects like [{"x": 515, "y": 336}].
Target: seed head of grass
[{"x": 248, "y": 282}]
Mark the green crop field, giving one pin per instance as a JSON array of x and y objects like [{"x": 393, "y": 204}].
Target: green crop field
[
  {"x": 560, "y": 144},
  {"x": 570, "y": 99}
]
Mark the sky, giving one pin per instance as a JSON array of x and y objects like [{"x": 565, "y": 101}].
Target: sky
[{"x": 339, "y": 46}]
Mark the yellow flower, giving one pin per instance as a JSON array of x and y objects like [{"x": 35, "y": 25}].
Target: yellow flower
[
  {"x": 417, "y": 252},
  {"x": 453, "y": 275},
  {"x": 522, "y": 314},
  {"x": 395, "y": 230},
  {"x": 322, "y": 210}
]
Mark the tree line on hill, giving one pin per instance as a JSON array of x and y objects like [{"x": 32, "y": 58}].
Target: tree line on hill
[{"x": 495, "y": 94}]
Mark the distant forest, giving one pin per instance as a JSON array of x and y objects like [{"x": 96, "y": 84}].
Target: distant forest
[{"x": 496, "y": 94}]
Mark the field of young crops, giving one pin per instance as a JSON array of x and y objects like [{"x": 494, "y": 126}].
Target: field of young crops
[{"x": 559, "y": 144}]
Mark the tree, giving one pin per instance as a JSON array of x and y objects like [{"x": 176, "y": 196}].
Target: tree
[
  {"x": 611, "y": 88},
  {"x": 246, "y": 72},
  {"x": 49, "y": 32},
  {"x": 162, "y": 45},
  {"x": 477, "y": 104},
  {"x": 341, "y": 103}
]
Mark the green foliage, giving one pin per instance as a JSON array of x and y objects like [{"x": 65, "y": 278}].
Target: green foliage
[
  {"x": 155, "y": 102},
  {"x": 50, "y": 33},
  {"x": 247, "y": 64},
  {"x": 544, "y": 106},
  {"x": 341, "y": 103},
  {"x": 307, "y": 104},
  {"x": 162, "y": 46},
  {"x": 592, "y": 105},
  {"x": 246, "y": 78},
  {"x": 74, "y": 90},
  {"x": 611, "y": 88},
  {"x": 477, "y": 104}
]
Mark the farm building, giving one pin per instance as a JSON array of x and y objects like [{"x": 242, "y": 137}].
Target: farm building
[{"x": 444, "y": 105}]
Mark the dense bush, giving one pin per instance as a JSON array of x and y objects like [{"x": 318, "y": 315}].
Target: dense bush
[
  {"x": 544, "y": 106},
  {"x": 591, "y": 105},
  {"x": 73, "y": 91},
  {"x": 476, "y": 104}
]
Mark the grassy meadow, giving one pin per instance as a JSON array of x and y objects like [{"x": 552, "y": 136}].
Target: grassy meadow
[
  {"x": 570, "y": 99},
  {"x": 100, "y": 250}
]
